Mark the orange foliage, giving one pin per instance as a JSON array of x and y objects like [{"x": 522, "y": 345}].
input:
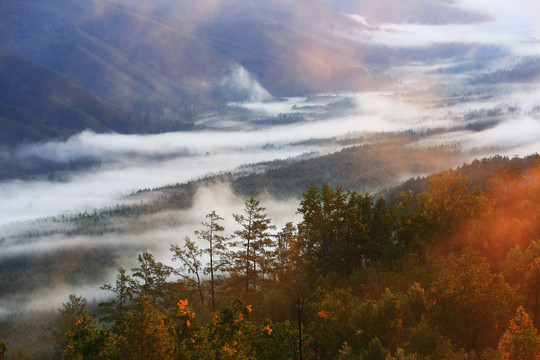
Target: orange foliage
[
  {"x": 521, "y": 340},
  {"x": 510, "y": 218},
  {"x": 182, "y": 306},
  {"x": 79, "y": 322},
  {"x": 184, "y": 310}
]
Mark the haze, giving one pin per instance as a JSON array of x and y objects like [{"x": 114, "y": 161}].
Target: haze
[{"x": 445, "y": 74}]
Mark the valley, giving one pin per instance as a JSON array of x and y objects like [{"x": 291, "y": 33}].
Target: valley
[{"x": 125, "y": 123}]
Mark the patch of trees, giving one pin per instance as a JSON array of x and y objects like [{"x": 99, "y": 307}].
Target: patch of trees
[
  {"x": 362, "y": 167},
  {"x": 527, "y": 70},
  {"x": 451, "y": 272},
  {"x": 26, "y": 273}
]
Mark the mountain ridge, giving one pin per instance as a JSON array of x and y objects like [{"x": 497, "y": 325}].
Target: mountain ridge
[{"x": 38, "y": 103}]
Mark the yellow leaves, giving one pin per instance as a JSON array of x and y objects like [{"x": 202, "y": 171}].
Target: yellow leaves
[{"x": 228, "y": 350}]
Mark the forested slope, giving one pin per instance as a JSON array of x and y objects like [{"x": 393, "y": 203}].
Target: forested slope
[
  {"x": 447, "y": 273},
  {"x": 38, "y": 103}
]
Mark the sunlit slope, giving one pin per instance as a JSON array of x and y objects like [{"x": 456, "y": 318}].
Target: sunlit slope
[
  {"x": 38, "y": 103},
  {"x": 170, "y": 54},
  {"x": 122, "y": 56}
]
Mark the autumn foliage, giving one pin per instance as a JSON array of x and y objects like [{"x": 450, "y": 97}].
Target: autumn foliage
[{"x": 452, "y": 272}]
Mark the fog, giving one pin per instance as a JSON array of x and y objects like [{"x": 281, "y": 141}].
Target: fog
[
  {"x": 514, "y": 133},
  {"x": 148, "y": 161},
  {"x": 128, "y": 237},
  {"x": 239, "y": 80},
  {"x": 510, "y": 24},
  {"x": 421, "y": 96},
  {"x": 133, "y": 162}
]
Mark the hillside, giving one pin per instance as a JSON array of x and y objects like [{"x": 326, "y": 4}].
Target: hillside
[
  {"x": 155, "y": 58},
  {"x": 173, "y": 55},
  {"x": 38, "y": 103},
  {"x": 355, "y": 275}
]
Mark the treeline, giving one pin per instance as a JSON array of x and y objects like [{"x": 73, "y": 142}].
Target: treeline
[
  {"x": 452, "y": 272},
  {"x": 362, "y": 167}
]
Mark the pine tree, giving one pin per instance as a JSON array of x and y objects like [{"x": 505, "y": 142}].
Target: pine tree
[
  {"x": 322, "y": 227},
  {"x": 255, "y": 244},
  {"x": 211, "y": 233},
  {"x": 151, "y": 276},
  {"x": 117, "y": 308}
]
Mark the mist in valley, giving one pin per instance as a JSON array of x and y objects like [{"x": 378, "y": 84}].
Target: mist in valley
[{"x": 463, "y": 99}]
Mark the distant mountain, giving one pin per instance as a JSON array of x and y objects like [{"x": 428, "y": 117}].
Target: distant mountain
[
  {"x": 38, "y": 103},
  {"x": 152, "y": 56},
  {"x": 168, "y": 60}
]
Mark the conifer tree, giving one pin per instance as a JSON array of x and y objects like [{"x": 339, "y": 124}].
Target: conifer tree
[
  {"x": 148, "y": 279},
  {"x": 216, "y": 249},
  {"x": 254, "y": 242},
  {"x": 117, "y": 308}
]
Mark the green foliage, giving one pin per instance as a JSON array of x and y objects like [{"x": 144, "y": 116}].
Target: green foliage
[
  {"x": 147, "y": 336},
  {"x": 216, "y": 250},
  {"x": 520, "y": 341},
  {"x": 469, "y": 303},
  {"x": 189, "y": 256},
  {"x": 149, "y": 278},
  {"x": 407, "y": 280},
  {"x": 255, "y": 257},
  {"x": 70, "y": 313},
  {"x": 356, "y": 168},
  {"x": 72, "y": 266},
  {"x": 87, "y": 341},
  {"x": 117, "y": 308}
]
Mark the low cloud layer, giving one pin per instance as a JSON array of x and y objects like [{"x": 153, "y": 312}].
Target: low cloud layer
[
  {"x": 128, "y": 237},
  {"x": 240, "y": 82},
  {"x": 512, "y": 25}
]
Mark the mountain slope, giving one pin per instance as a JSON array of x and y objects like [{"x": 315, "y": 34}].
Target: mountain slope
[
  {"x": 149, "y": 56},
  {"x": 38, "y": 103}
]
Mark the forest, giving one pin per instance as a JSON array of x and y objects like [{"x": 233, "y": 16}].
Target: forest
[{"x": 448, "y": 272}]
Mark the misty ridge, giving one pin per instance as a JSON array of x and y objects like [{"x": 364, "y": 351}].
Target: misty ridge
[{"x": 124, "y": 123}]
